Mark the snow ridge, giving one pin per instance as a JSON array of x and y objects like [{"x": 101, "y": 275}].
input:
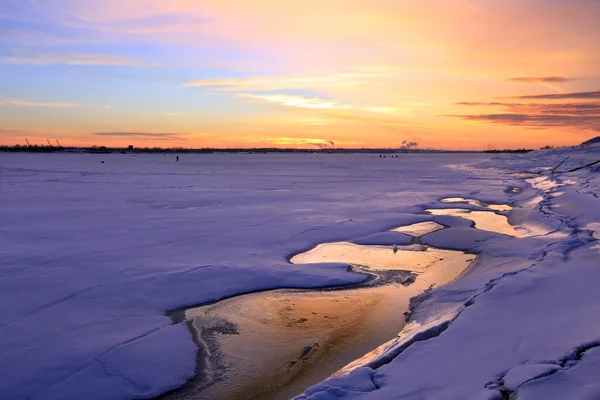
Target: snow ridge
[{"x": 562, "y": 240}]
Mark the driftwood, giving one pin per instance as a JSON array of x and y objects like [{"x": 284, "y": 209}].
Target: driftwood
[{"x": 561, "y": 163}]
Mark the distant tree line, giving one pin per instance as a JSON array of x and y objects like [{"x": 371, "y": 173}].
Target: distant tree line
[
  {"x": 509, "y": 151},
  {"x": 179, "y": 150}
]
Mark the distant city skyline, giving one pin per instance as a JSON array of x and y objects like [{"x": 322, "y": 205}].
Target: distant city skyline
[{"x": 454, "y": 75}]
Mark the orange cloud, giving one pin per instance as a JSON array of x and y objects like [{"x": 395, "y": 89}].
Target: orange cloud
[
  {"x": 294, "y": 141},
  {"x": 531, "y": 79}
]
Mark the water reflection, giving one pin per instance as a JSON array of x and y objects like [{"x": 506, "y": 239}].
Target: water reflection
[
  {"x": 287, "y": 340},
  {"x": 485, "y": 220},
  {"x": 416, "y": 258},
  {"x": 477, "y": 203},
  {"x": 273, "y": 345}
]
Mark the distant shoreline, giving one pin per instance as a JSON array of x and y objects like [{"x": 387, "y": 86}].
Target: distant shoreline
[{"x": 179, "y": 150}]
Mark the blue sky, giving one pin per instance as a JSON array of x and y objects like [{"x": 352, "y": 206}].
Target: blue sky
[{"x": 361, "y": 74}]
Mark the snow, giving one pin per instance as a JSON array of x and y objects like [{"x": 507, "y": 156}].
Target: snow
[
  {"x": 594, "y": 140},
  {"x": 419, "y": 229},
  {"x": 94, "y": 254},
  {"x": 384, "y": 238},
  {"x": 522, "y": 320}
]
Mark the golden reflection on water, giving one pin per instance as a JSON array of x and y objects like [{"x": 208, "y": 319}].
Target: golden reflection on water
[
  {"x": 414, "y": 258},
  {"x": 287, "y": 340},
  {"x": 475, "y": 202},
  {"x": 484, "y": 220}
]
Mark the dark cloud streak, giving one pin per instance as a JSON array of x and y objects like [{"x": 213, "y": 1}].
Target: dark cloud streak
[
  {"x": 587, "y": 122},
  {"x": 561, "y": 96},
  {"x": 145, "y": 135},
  {"x": 584, "y": 109},
  {"x": 533, "y": 79},
  {"x": 580, "y": 115}
]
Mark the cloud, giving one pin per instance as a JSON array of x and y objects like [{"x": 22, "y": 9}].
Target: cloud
[
  {"x": 317, "y": 103},
  {"x": 545, "y": 79},
  {"x": 581, "y": 115},
  {"x": 145, "y": 135},
  {"x": 283, "y": 83},
  {"x": 293, "y": 141},
  {"x": 294, "y": 101},
  {"x": 13, "y": 131},
  {"x": 81, "y": 59},
  {"x": 561, "y": 96},
  {"x": 477, "y": 103},
  {"x": 587, "y": 122},
  {"x": 584, "y": 109},
  {"x": 23, "y": 103}
]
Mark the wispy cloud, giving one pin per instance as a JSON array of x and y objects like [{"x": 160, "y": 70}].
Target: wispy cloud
[
  {"x": 282, "y": 83},
  {"x": 13, "y": 131},
  {"x": 538, "y": 121},
  {"x": 294, "y": 141},
  {"x": 317, "y": 103},
  {"x": 145, "y": 135},
  {"x": 585, "y": 109},
  {"x": 561, "y": 96},
  {"x": 294, "y": 101},
  {"x": 170, "y": 114},
  {"x": 532, "y": 79},
  {"x": 539, "y": 115},
  {"x": 81, "y": 59},
  {"x": 22, "y": 103}
]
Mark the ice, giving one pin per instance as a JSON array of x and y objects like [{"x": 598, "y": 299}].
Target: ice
[
  {"x": 475, "y": 202},
  {"x": 384, "y": 238},
  {"x": 520, "y": 323},
  {"x": 419, "y": 229},
  {"x": 580, "y": 382},
  {"x": 484, "y": 220},
  {"x": 94, "y": 254},
  {"x": 415, "y": 258},
  {"x": 521, "y": 374}
]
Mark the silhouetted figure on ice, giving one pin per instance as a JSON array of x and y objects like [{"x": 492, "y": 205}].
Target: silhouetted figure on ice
[{"x": 177, "y": 157}]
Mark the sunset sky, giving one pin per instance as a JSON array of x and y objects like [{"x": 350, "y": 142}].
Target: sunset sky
[{"x": 448, "y": 74}]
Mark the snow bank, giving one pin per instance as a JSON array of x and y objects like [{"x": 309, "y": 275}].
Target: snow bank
[
  {"x": 523, "y": 320},
  {"x": 93, "y": 254}
]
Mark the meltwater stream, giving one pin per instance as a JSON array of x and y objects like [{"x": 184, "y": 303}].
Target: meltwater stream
[{"x": 273, "y": 345}]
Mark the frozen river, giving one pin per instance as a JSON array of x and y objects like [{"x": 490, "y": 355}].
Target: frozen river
[{"x": 93, "y": 254}]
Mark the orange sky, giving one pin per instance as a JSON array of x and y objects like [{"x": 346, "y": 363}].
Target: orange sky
[{"x": 446, "y": 74}]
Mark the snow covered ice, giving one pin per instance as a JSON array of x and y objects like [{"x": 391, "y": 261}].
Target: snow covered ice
[
  {"x": 94, "y": 254},
  {"x": 522, "y": 321}
]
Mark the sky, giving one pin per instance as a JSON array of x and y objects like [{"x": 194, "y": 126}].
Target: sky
[{"x": 451, "y": 74}]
